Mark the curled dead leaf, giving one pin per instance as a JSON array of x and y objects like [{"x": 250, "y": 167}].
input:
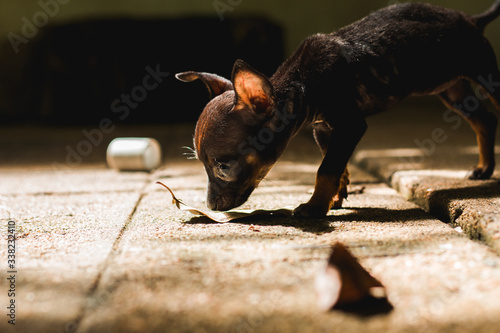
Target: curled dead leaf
[
  {"x": 344, "y": 281},
  {"x": 224, "y": 217}
]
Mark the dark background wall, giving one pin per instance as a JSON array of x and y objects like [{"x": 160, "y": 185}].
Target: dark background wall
[
  {"x": 299, "y": 18},
  {"x": 75, "y": 62}
]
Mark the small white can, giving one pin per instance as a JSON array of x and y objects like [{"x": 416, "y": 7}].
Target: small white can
[{"x": 134, "y": 154}]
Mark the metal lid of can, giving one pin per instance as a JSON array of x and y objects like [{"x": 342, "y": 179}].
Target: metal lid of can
[{"x": 134, "y": 154}]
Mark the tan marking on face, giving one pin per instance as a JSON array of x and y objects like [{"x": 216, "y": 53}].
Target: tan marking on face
[
  {"x": 251, "y": 159},
  {"x": 259, "y": 171}
]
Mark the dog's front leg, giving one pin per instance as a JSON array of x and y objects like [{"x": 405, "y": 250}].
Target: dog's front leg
[{"x": 341, "y": 145}]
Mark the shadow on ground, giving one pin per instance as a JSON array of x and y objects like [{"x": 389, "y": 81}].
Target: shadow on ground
[{"x": 319, "y": 226}]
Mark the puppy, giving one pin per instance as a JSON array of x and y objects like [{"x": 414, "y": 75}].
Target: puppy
[{"x": 333, "y": 81}]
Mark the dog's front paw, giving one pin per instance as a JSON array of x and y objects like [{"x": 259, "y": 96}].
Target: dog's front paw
[
  {"x": 307, "y": 210},
  {"x": 337, "y": 203},
  {"x": 480, "y": 173},
  {"x": 339, "y": 199}
]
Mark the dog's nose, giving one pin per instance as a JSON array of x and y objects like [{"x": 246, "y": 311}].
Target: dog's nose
[
  {"x": 220, "y": 199},
  {"x": 212, "y": 201},
  {"x": 211, "y": 205},
  {"x": 212, "y": 196},
  {"x": 221, "y": 203},
  {"x": 215, "y": 201}
]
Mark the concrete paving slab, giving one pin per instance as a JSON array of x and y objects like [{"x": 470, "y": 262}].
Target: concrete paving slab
[
  {"x": 171, "y": 272},
  {"x": 85, "y": 266},
  {"x": 415, "y": 137},
  {"x": 63, "y": 242},
  {"x": 425, "y": 156},
  {"x": 474, "y": 206},
  {"x": 49, "y": 182}
]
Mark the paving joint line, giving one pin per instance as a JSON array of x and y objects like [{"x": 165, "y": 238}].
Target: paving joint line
[
  {"x": 433, "y": 206},
  {"x": 74, "y": 326}
]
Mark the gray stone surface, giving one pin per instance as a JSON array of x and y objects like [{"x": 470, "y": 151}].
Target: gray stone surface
[
  {"x": 258, "y": 275},
  {"x": 63, "y": 242},
  {"x": 403, "y": 148},
  {"x": 103, "y": 251}
]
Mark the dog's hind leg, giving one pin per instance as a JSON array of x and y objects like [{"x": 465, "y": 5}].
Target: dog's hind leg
[
  {"x": 484, "y": 123},
  {"x": 491, "y": 87}
]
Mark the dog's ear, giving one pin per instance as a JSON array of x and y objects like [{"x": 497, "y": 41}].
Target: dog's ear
[
  {"x": 216, "y": 84},
  {"x": 252, "y": 88}
]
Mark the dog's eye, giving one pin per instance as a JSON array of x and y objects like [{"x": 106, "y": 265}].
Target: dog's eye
[{"x": 222, "y": 168}]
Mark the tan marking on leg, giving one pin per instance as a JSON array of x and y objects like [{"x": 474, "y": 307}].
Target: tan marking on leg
[
  {"x": 342, "y": 193},
  {"x": 325, "y": 189}
]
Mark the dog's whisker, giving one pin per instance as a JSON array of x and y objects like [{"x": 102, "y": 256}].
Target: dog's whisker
[
  {"x": 192, "y": 155},
  {"x": 266, "y": 190},
  {"x": 271, "y": 183}
]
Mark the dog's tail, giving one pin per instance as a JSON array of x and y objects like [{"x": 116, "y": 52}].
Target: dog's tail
[{"x": 482, "y": 20}]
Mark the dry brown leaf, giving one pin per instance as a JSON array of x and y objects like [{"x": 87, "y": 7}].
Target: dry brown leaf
[
  {"x": 345, "y": 281},
  {"x": 224, "y": 217},
  {"x": 356, "y": 190}
]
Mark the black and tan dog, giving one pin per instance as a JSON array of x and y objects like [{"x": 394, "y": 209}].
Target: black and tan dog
[{"x": 334, "y": 81}]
